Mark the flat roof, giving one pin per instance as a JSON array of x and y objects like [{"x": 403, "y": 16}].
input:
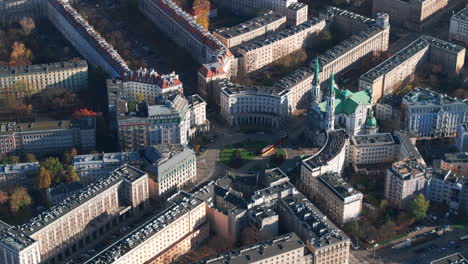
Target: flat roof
[
  {"x": 461, "y": 15},
  {"x": 250, "y": 25},
  {"x": 374, "y": 139},
  {"x": 13, "y": 127},
  {"x": 337, "y": 185},
  {"x": 456, "y": 157},
  {"x": 456, "y": 258},
  {"x": 43, "y": 68}
]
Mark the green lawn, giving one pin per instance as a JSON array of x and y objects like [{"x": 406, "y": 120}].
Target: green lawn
[{"x": 248, "y": 151}]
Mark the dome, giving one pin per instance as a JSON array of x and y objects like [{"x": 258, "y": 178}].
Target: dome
[{"x": 371, "y": 122}]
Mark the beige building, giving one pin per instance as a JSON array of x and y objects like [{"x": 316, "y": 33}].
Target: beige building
[
  {"x": 336, "y": 198},
  {"x": 18, "y": 175},
  {"x": 256, "y": 27},
  {"x": 459, "y": 26},
  {"x": 257, "y": 53},
  {"x": 28, "y": 80},
  {"x": 413, "y": 14},
  {"x": 284, "y": 249},
  {"x": 404, "y": 180},
  {"x": 65, "y": 228},
  {"x": 372, "y": 149},
  {"x": 48, "y": 136},
  {"x": 394, "y": 71},
  {"x": 164, "y": 237}
]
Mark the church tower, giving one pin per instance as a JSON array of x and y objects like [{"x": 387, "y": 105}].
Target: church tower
[
  {"x": 315, "y": 91},
  {"x": 330, "y": 113}
]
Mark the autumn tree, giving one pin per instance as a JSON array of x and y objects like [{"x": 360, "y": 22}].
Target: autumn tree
[
  {"x": 419, "y": 206},
  {"x": 68, "y": 155},
  {"x": 201, "y": 10},
  {"x": 27, "y": 25},
  {"x": 54, "y": 166},
  {"x": 3, "y": 197},
  {"x": 20, "y": 55},
  {"x": 70, "y": 174},
  {"x": 19, "y": 199},
  {"x": 44, "y": 178},
  {"x": 14, "y": 159},
  {"x": 83, "y": 113},
  {"x": 140, "y": 97},
  {"x": 29, "y": 157}
]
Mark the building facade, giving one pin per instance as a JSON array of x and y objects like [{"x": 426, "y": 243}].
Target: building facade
[
  {"x": 404, "y": 180},
  {"x": 457, "y": 162},
  {"x": 18, "y": 175},
  {"x": 27, "y": 80},
  {"x": 48, "y": 137},
  {"x": 372, "y": 149},
  {"x": 64, "y": 228},
  {"x": 461, "y": 138},
  {"x": 396, "y": 70},
  {"x": 459, "y": 26},
  {"x": 429, "y": 114}
]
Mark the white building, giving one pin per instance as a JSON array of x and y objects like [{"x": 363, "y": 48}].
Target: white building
[
  {"x": 404, "y": 180},
  {"x": 372, "y": 149},
  {"x": 446, "y": 187},
  {"x": 18, "y": 175},
  {"x": 459, "y": 26},
  {"x": 429, "y": 114},
  {"x": 461, "y": 139},
  {"x": 172, "y": 166},
  {"x": 93, "y": 167}
]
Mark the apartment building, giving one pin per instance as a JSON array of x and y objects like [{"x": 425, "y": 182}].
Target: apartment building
[
  {"x": 295, "y": 11},
  {"x": 404, "y": 180},
  {"x": 64, "y": 228},
  {"x": 331, "y": 157},
  {"x": 262, "y": 25},
  {"x": 259, "y": 106},
  {"x": 457, "y": 162},
  {"x": 413, "y": 14},
  {"x": 455, "y": 258},
  {"x": 336, "y": 198},
  {"x": 14, "y": 10},
  {"x": 167, "y": 122},
  {"x": 327, "y": 243},
  {"x": 446, "y": 187},
  {"x": 171, "y": 233},
  {"x": 89, "y": 43},
  {"x": 461, "y": 138},
  {"x": 257, "y": 53},
  {"x": 172, "y": 166},
  {"x": 430, "y": 114},
  {"x": 48, "y": 137},
  {"x": 93, "y": 167},
  {"x": 388, "y": 108},
  {"x": 365, "y": 36},
  {"x": 459, "y": 26},
  {"x": 396, "y": 70},
  {"x": 27, "y": 80},
  {"x": 284, "y": 249},
  {"x": 18, "y": 175},
  {"x": 372, "y": 149}
]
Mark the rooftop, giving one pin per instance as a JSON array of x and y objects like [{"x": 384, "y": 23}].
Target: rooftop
[
  {"x": 18, "y": 168},
  {"x": 183, "y": 203},
  {"x": 263, "y": 250},
  {"x": 251, "y": 25},
  {"x": 339, "y": 186},
  {"x": 230, "y": 88},
  {"x": 461, "y": 15},
  {"x": 13, "y": 127},
  {"x": 40, "y": 68},
  {"x": 346, "y": 101},
  {"x": 374, "y": 139},
  {"x": 391, "y": 99},
  {"x": 334, "y": 144},
  {"x": 420, "y": 96},
  {"x": 105, "y": 158},
  {"x": 408, "y": 169},
  {"x": 456, "y": 258},
  {"x": 456, "y": 157}
]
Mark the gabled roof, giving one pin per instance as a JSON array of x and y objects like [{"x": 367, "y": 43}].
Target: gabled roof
[{"x": 346, "y": 101}]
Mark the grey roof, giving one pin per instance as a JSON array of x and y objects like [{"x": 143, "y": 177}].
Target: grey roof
[
  {"x": 373, "y": 139},
  {"x": 19, "y": 168},
  {"x": 334, "y": 144},
  {"x": 457, "y": 157},
  {"x": 115, "y": 157},
  {"x": 230, "y": 88},
  {"x": 182, "y": 203},
  {"x": 419, "y": 44},
  {"x": 13, "y": 127},
  {"x": 337, "y": 185},
  {"x": 42, "y": 68},
  {"x": 420, "y": 96},
  {"x": 257, "y": 252},
  {"x": 461, "y": 15},
  {"x": 250, "y": 25},
  {"x": 456, "y": 258}
]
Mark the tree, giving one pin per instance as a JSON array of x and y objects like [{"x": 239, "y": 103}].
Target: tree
[
  {"x": 27, "y": 25},
  {"x": 419, "y": 206},
  {"x": 55, "y": 167},
  {"x": 68, "y": 155},
  {"x": 196, "y": 148},
  {"x": 140, "y": 97},
  {"x": 201, "y": 10},
  {"x": 70, "y": 175},
  {"x": 83, "y": 113},
  {"x": 326, "y": 39},
  {"x": 19, "y": 199},
  {"x": 132, "y": 106},
  {"x": 3, "y": 197},
  {"x": 29, "y": 157},
  {"x": 20, "y": 55},
  {"x": 44, "y": 178},
  {"x": 13, "y": 159}
]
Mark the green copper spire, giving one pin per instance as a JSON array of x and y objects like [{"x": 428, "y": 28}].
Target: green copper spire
[{"x": 316, "y": 71}]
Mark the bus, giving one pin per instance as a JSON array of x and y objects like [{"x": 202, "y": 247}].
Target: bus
[{"x": 268, "y": 149}]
